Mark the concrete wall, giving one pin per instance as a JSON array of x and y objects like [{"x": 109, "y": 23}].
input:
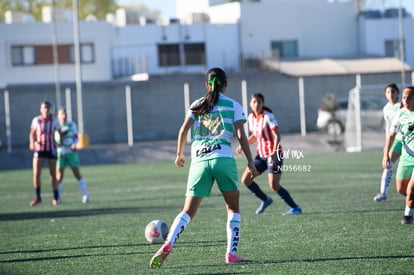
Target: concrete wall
[{"x": 158, "y": 104}]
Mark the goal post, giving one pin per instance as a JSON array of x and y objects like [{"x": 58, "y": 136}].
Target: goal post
[
  {"x": 353, "y": 129},
  {"x": 364, "y": 116}
]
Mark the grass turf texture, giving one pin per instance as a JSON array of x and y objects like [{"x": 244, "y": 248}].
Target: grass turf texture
[{"x": 341, "y": 231}]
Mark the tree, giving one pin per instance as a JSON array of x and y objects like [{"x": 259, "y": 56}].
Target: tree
[{"x": 99, "y": 8}]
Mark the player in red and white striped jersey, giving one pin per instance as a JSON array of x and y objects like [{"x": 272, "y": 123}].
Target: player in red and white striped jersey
[
  {"x": 263, "y": 128},
  {"x": 42, "y": 142}
]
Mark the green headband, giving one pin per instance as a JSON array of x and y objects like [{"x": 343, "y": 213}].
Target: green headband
[{"x": 212, "y": 81}]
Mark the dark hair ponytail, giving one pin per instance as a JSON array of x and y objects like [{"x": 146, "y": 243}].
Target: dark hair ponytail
[{"x": 217, "y": 81}]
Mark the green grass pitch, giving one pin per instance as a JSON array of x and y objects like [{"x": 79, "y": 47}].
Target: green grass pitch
[{"x": 341, "y": 231}]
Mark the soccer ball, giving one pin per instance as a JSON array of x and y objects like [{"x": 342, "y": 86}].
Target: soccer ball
[{"x": 156, "y": 231}]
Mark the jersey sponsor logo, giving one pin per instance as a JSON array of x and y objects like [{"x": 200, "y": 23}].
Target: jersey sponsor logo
[{"x": 207, "y": 149}]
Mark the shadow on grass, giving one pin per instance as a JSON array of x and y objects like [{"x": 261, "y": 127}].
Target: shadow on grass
[
  {"x": 66, "y": 249},
  {"x": 315, "y": 260},
  {"x": 75, "y": 213},
  {"x": 287, "y": 261}
]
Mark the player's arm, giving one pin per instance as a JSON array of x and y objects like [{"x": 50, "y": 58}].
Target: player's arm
[
  {"x": 32, "y": 135},
  {"x": 251, "y": 139},
  {"x": 75, "y": 138},
  {"x": 182, "y": 135},
  {"x": 387, "y": 147},
  {"x": 244, "y": 143},
  {"x": 277, "y": 138}
]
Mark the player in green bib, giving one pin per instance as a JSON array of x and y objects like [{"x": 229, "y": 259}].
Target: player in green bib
[
  {"x": 67, "y": 154},
  {"x": 214, "y": 119},
  {"x": 404, "y": 124}
]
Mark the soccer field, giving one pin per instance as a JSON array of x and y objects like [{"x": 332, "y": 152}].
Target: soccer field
[{"x": 341, "y": 231}]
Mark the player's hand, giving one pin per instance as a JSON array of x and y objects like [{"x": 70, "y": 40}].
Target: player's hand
[
  {"x": 239, "y": 150},
  {"x": 179, "y": 161},
  {"x": 385, "y": 162},
  {"x": 73, "y": 147},
  {"x": 252, "y": 170}
]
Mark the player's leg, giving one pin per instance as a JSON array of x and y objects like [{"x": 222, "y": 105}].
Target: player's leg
[
  {"x": 37, "y": 164},
  {"x": 247, "y": 180},
  {"x": 60, "y": 172},
  {"x": 225, "y": 173},
  {"x": 409, "y": 200},
  {"x": 409, "y": 203},
  {"x": 81, "y": 182},
  {"x": 54, "y": 182},
  {"x": 199, "y": 185},
  {"x": 387, "y": 173},
  {"x": 274, "y": 176},
  {"x": 180, "y": 222}
]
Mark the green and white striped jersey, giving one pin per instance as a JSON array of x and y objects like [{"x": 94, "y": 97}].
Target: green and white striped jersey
[
  {"x": 404, "y": 124},
  {"x": 70, "y": 134},
  {"x": 212, "y": 133}
]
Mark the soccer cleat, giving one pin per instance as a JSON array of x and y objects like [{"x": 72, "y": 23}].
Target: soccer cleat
[
  {"x": 85, "y": 199},
  {"x": 161, "y": 255},
  {"x": 35, "y": 202},
  {"x": 232, "y": 258},
  {"x": 293, "y": 211},
  {"x": 407, "y": 220},
  {"x": 55, "y": 202},
  {"x": 264, "y": 205},
  {"x": 380, "y": 197}
]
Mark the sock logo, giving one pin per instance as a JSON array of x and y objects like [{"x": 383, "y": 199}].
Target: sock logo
[
  {"x": 235, "y": 240},
  {"x": 178, "y": 235}
]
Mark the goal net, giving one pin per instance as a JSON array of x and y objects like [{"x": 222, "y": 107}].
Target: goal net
[{"x": 364, "y": 124}]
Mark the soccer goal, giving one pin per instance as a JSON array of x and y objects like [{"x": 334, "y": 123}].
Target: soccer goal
[{"x": 364, "y": 117}]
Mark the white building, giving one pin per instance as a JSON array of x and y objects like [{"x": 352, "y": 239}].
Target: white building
[{"x": 279, "y": 30}]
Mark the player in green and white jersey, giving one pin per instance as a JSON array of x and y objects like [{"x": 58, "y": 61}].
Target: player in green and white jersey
[
  {"x": 214, "y": 118},
  {"x": 67, "y": 154},
  {"x": 390, "y": 109},
  {"x": 404, "y": 124}
]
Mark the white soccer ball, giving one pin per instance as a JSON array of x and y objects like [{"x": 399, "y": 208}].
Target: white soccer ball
[{"x": 156, "y": 231}]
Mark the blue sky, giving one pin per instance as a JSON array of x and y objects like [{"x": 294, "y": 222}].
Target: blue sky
[{"x": 167, "y": 7}]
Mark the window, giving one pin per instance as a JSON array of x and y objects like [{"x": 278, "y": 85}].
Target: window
[
  {"x": 86, "y": 53},
  {"x": 392, "y": 48},
  {"x": 195, "y": 54},
  {"x": 284, "y": 49},
  {"x": 22, "y": 55},
  {"x": 168, "y": 55},
  {"x": 43, "y": 54}
]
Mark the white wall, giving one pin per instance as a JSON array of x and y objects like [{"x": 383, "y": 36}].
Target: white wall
[
  {"x": 221, "y": 40},
  {"x": 322, "y": 29},
  {"x": 376, "y": 32},
  {"x": 98, "y": 33}
]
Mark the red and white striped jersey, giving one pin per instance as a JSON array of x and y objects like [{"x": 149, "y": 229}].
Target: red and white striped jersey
[
  {"x": 45, "y": 128},
  {"x": 261, "y": 127}
]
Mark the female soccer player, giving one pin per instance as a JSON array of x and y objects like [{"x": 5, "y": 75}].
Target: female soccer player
[
  {"x": 214, "y": 118},
  {"x": 264, "y": 129},
  {"x": 67, "y": 154},
  {"x": 42, "y": 142},
  {"x": 404, "y": 124},
  {"x": 390, "y": 109}
]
